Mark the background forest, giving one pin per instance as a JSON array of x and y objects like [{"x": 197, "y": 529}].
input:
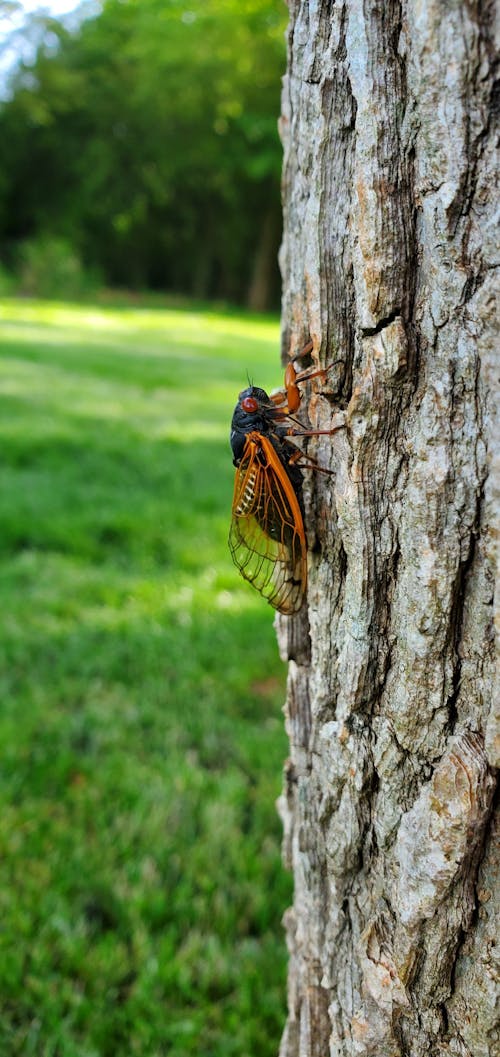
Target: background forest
[
  {"x": 141, "y": 142},
  {"x": 141, "y": 732}
]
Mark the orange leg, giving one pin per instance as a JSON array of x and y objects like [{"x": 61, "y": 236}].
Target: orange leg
[
  {"x": 287, "y": 400},
  {"x": 300, "y": 455},
  {"x": 310, "y": 464},
  {"x": 303, "y": 376},
  {"x": 314, "y": 432}
]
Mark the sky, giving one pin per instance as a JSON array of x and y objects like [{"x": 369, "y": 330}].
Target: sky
[
  {"x": 12, "y": 16},
  {"x": 55, "y": 7},
  {"x": 10, "y": 21}
]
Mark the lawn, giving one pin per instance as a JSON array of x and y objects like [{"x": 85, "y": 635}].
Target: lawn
[{"x": 141, "y": 888}]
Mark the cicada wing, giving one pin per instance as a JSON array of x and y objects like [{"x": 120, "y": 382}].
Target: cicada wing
[{"x": 267, "y": 538}]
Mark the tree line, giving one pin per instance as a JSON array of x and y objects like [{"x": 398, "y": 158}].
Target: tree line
[{"x": 145, "y": 138}]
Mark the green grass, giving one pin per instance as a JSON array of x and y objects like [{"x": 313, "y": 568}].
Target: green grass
[{"x": 141, "y": 888}]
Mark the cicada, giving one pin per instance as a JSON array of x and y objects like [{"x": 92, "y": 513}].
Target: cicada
[{"x": 267, "y": 538}]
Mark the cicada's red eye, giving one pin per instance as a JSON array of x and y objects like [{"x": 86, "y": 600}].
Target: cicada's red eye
[{"x": 250, "y": 404}]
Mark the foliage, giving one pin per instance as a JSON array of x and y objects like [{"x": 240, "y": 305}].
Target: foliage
[
  {"x": 148, "y": 139},
  {"x": 141, "y": 888},
  {"x": 49, "y": 267},
  {"x": 7, "y": 282}
]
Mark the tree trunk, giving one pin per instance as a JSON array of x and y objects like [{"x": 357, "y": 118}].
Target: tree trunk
[{"x": 387, "y": 264}]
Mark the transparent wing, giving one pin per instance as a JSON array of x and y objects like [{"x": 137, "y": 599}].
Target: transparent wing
[{"x": 267, "y": 538}]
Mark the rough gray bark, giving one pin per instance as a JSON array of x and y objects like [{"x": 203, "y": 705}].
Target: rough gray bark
[{"x": 388, "y": 264}]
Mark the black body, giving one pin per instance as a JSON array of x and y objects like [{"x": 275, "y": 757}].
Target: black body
[{"x": 243, "y": 422}]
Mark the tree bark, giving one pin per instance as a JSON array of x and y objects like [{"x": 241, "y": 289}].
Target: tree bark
[{"x": 388, "y": 265}]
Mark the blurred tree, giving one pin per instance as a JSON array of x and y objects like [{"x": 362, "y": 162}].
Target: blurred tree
[{"x": 148, "y": 139}]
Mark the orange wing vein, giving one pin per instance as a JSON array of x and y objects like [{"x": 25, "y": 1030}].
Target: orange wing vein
[{"x": 267, "y": 538}]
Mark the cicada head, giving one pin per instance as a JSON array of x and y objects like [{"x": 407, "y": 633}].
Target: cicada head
[{"x": 254, "y": 411}]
